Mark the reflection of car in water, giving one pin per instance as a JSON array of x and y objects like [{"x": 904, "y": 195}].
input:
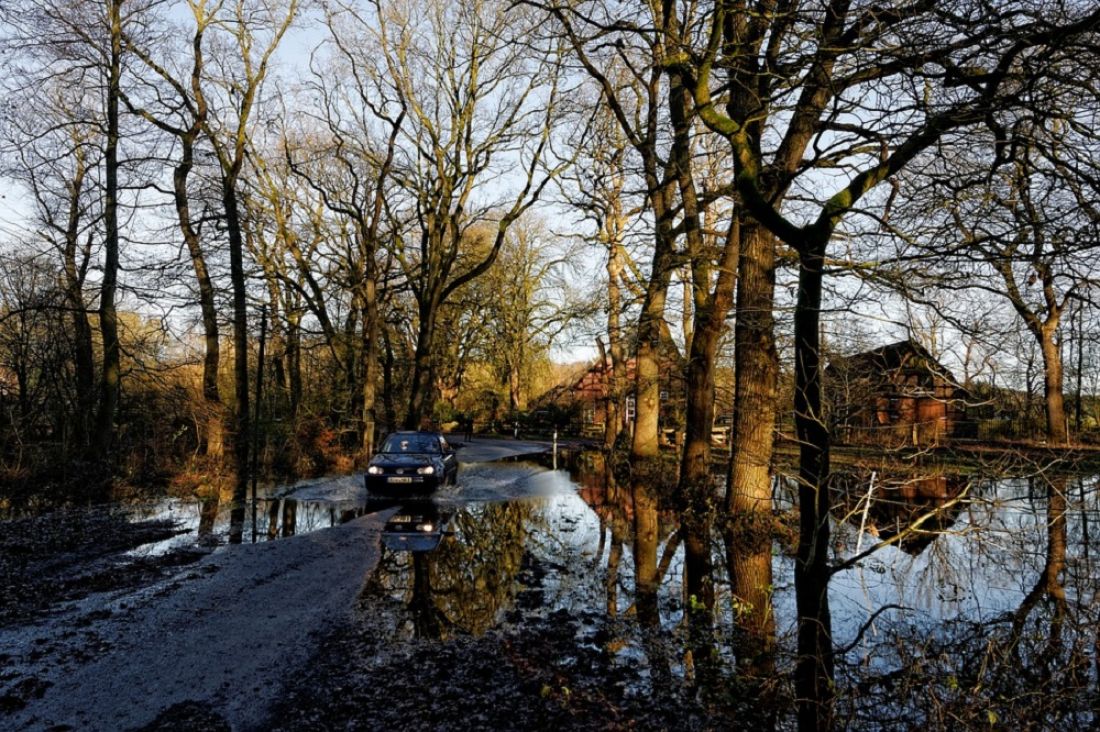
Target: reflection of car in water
[
  {"x": 412, "y": 463},
  {"x": 416, "y": 527}
]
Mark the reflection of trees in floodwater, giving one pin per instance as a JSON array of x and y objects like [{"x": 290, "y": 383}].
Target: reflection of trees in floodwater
[
  {"x": 745, "y": 627},
  {"x": 985, "y": 625},
  {"x": 994, "y": 582},
  {"x": 1024, "y": 658},
  {"x": 208, "y": 514},
  {"x": 474, "y": 575},
  {"x": 947, "y": 552},
  {"x": 647, "y": 582},
  {"x": 462, "y": 585},
  {"x": 908, "y": 512}
]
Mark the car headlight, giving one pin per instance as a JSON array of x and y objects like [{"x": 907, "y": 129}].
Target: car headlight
[
  {"x": 426, "y": 470},
  {"x": 374, "y": 470}
]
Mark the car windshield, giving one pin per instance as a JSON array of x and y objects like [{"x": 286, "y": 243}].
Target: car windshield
[{"x": 411, "y": 443}]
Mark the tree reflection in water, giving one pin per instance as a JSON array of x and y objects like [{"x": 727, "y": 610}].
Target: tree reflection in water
[
  {"x": 464, "y": 583},
  {"x": 647, "y": 582},
  {"x": 956, "y": 603},
  {"x": 990, "y": 635}
]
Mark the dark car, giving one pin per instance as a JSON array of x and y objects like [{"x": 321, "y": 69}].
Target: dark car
[{"x": 412, "y": 463}]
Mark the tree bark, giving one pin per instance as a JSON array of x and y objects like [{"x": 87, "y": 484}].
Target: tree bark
[
  {"x": 711, "y": 309},
  {"x": 243, "y": 425},
  {"x": 110, "y": 383},
  {"x": 388, "y": 386},
  {"x": 1054, "y": 398},
  {"x": 647, "y": 359},
  {"x": 749, "y": 556},
  {"x": 613, "y": 412},
  {"x": 83, "y": 351},
  {"x": 756, "y": 364},
  {"x": 371, "y": 355},
  {"x": 212, "y": 441},
  {"x": 422, "y": 383},
  {"x": 814, "y": 666}
]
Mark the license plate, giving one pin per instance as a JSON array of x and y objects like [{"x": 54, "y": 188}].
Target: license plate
[{"x": 400, "y": 480}]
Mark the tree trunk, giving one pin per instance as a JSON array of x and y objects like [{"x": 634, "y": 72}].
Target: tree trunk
[
  {"x": 756, "y": 364},
  {"x": 83, "y": 350},
  {"x": 108, "y": 315},
  {"x": 423, "y": 375},
  {"x": 388, "y": 386},
  {"x": 749, "y": 556},
  {"x": 749, "y": 560},
  {"x": 371, "y": 335},
  {"x": 212, "y": 441},
  {"x": 647, "y": 369},
  {"x": 516, "y": 399},
  {"x": 814, "y": 666},
  {"x": 613, "y": 412},
  {"x": 243, "y": 431},
  {"x": 294, "y": 361},
  {"x": 711, "y": 309},
  {"x": 1054, "y": 398}
]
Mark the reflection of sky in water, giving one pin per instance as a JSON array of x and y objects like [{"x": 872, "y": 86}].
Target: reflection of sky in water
[
  {"x": 316, "y": 504},
  {"x": 980, "y": 569},
  {"x": 280, "y": 510}
]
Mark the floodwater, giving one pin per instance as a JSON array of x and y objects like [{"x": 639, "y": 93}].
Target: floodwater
[{"x": 956, "y": 602}]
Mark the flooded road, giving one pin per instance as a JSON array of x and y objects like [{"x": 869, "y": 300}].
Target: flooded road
[{"x": 527, "y": 595}]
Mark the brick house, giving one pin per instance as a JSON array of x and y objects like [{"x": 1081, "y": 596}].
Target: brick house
[{"x": 895, "y": 395}]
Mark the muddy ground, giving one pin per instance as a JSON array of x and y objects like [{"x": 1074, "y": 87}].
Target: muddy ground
[{"x": 65, "y": 555}]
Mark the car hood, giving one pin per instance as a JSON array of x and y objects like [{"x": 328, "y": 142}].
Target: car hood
[{"x": 404, "y": 460}]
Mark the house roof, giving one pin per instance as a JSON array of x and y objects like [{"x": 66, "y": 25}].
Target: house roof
[{"x": 906, "y": 355}]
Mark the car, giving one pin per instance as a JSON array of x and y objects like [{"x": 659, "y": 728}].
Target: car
[
  {"x": 418, "y": 526},
  {"x": 411, "y": 464}
]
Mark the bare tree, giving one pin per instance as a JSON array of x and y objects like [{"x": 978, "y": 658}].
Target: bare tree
[
  {"x": 480, "y": 101},
  {"x": 350, "y": 167},
  {"x": 858, "y": 99},
  {"x": 1027, "y": 232},
  {"x": 177, "y": 106},
  {"x": 626, "y": 61},
  {"x": 254, "y": 30}
]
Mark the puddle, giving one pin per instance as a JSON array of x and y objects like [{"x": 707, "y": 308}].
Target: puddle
[{"x": 950, "y": 595}]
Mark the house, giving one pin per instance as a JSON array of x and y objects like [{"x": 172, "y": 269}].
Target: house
[
  {"x": 589, "y": 394},
  {"x": 895, "y": 395}
]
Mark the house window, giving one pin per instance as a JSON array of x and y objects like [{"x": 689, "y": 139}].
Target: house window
[
  {"x": 664, "y": 395},
  {"x": 630, "y": 411},
  {"x": 589, "y": 415}
]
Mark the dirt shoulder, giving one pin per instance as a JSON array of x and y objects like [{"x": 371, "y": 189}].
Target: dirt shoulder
[
  {"x": 66, "y": 555},
  {"x": 223, "y": 634}
]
